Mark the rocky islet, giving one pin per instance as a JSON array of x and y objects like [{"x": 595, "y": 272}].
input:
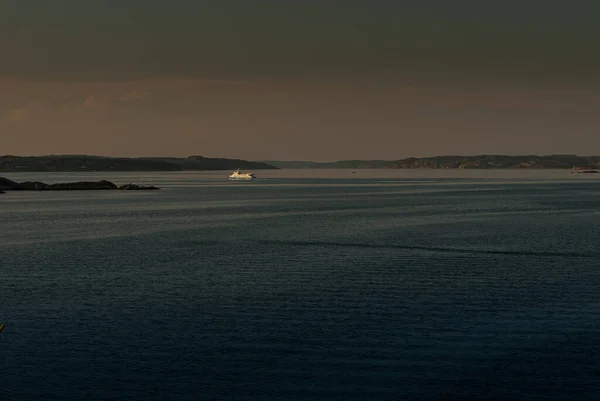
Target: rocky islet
[{"x": 9, "y": 185}]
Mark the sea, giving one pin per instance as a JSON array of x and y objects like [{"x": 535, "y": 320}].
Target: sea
[{"x": 303, "y": 285}]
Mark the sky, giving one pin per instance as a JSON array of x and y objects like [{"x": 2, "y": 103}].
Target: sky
[{"x": 299, "y": 79}]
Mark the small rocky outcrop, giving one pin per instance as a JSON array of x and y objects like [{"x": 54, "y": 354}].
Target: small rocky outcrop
[
  {"x": 31, "y": 186},
  {"x": 135, "y": 187},
  {"x": 8, "y": 185},
  {"x": 81, "y": 185}
]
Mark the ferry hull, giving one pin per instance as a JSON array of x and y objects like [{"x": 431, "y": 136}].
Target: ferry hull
[{"x": 236, "y": 175}]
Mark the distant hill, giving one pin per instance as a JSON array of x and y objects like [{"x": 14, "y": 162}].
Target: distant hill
[
  {"x": 458, "y": 162},
  {"x": 98, "y": 163},
  {"x": 200, "y": 163}
]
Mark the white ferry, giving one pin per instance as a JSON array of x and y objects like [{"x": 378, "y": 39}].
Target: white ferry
[{"x": 241, "y": 176}]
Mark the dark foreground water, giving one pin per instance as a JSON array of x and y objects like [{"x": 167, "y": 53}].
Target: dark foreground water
[{"x": 330, "y": 286}]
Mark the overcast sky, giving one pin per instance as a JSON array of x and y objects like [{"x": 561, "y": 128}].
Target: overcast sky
[{"x": 299, "y": 79}]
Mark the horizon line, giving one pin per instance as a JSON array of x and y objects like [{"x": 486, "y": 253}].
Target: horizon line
[{"x": 301, "y": 160}]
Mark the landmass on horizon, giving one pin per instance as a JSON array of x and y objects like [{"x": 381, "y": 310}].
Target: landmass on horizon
[
  {"x": 199, "y": 163},
  {"x": 457, "y": 162},
  {"x": 101, "y": 163}
]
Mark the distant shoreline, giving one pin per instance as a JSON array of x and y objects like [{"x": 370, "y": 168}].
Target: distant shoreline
[
  {"x": 559, "y": 162},
  {"x": 87, "y": 163}
]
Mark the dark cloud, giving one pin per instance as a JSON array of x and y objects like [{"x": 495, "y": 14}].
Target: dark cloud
[{"x": 123, "y": 39}]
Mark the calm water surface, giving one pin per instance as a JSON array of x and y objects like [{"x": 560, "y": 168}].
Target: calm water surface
[{"x": 320, "y": 285}]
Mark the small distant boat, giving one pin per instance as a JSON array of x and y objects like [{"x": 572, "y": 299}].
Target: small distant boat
[
  {"x": 2, "y": 327},
  {"x": 236, "y": 175}
]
